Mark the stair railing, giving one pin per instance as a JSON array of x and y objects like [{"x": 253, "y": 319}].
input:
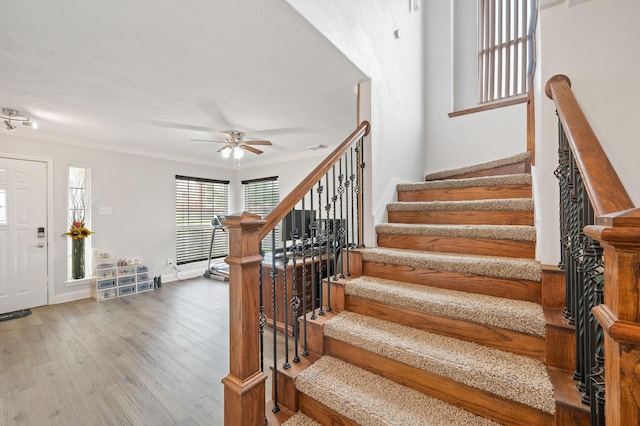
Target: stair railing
[
  {"x": 600, "y": 254},
  {"x": 322, "y": 223}
]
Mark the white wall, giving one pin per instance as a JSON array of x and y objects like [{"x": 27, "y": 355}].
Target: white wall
[
  {"x": 595, "y": 44},
  {"x": 468, "y": 139},
  {"x": 364, "y": 31},
  {"x": 140, "y": 190}
]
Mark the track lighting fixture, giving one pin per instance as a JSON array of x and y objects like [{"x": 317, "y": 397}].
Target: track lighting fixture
[{"x": 12, "y": 115}]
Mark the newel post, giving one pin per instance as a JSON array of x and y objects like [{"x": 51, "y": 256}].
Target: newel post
[
  {"x": 619, "y": 315},
  {"x": 244, "y": 386}
]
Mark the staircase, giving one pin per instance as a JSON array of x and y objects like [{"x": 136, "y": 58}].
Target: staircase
[{"x": 445, "y": 324}]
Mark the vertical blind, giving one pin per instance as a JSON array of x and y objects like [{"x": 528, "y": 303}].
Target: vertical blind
[
  {"x": 503, "y": 37},
  {"x": 261, "y": 196},
  {"x": 197, "y": 201}
]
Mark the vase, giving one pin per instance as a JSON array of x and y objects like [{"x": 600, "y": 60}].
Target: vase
[{"x": 77, "y": 258}]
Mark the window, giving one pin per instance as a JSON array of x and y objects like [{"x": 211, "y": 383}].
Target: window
[
  {"x": 197, "y": 201},
  {"x": 261, "y": 196},
  {"x": 78, "y": 209},
  {"x": 3, "y": 207},
  {"x": 503, "y": 48}
]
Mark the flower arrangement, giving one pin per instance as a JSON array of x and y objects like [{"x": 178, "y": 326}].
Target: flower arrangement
[{"x": 78, "y": 230}]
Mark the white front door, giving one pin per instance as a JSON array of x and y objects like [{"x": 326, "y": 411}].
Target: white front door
[{"x": 23, "y": 234}]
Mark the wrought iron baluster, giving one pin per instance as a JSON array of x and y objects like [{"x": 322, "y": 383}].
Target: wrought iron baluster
[
  {"x": 295, "y": 300},
  {"x": 285, "y": 263},
  {"x": 582, "y": 260},
  {"x": 328, "y": 245},
  {"x": 274, "y": 274},
  {"x": 361, "y": 165},
  {"x": 314, "y": 278},
  {"x": 321, "y": 238},
  {"x": 345, "y": 190},
  {"x": 305, "y": 244},
  {"x": 336, "y": 241},
  {"x": 354, "y": 194}
]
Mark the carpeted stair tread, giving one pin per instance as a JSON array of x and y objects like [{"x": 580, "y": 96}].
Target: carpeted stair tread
[
  {"x": 516, "y": 179},
  {"x": 489, "y": 266},
  {"x": 510, "y": 204},
  {"x": 518, "y": 158},
  {"x": 495, "y": 232},
  {"x": 510, "y": 376},
  {"x": 372, "y": 400},
  {"x": 525, "y": 317},
  {"x": 300, "y": 419}
]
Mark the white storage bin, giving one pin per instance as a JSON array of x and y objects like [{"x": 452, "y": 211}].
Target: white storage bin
[{"x": 126, "y": 290}]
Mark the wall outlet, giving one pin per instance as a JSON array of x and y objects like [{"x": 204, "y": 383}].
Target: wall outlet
[{"x": 170, "y": 262}]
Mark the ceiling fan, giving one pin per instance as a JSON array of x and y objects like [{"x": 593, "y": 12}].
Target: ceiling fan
[{"x": 235, "y": 144}]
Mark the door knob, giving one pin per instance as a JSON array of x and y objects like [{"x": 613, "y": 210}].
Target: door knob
[{"x": 40, "y": 245}]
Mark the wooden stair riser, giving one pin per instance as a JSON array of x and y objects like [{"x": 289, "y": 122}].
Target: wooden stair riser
[
  {"x": 529, "y": 291},
  {"x": 315, "y": 333},
  {"x": 508, "y": 169},
  {"x": 570, "y": 411},
  {"x": 561, "y": 340},
  {"x": 463, "y": 217},
  {"x": 286, "y": 388},
  {"x": 491, "y": 336},
  {"x": 471, "y": 193},
  {"x": 469, "y": 398},
  {"x": 481, "y": 246},
  {"x": 323, "y": 414}
]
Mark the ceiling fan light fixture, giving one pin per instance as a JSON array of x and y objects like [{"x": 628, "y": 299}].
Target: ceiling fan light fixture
[
  {"x": 9, "y": 125},
  {"x": 226, "y": 152},
  {"x": 238, "y": 153}
]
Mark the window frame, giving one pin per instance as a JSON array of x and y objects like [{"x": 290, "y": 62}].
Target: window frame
[
  {"x": 269, "y": 190},
  {"x": 79, "y": 208},
  {"x": 195, "y": 207},
  {"x": 509, "y": 39}
]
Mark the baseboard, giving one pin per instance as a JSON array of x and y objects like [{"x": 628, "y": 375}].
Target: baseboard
[{"x": 70, "y": 296}]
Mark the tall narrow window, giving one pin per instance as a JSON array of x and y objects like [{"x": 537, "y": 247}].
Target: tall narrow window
[
  {"x": 197, "y": 201},
  {"x": 503, "y": 50},
  {"x": 3, "y": 207},
  {"x": 261, "y": 196},
  {"x": 78, "y": 210}
]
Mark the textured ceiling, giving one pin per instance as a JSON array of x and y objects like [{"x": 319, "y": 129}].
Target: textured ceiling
[{"x": 152, "y": 75}]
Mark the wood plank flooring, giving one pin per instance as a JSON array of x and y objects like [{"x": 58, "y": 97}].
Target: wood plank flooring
[{"x": 154, "y": 358}]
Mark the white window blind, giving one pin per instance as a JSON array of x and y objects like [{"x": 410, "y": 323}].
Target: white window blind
[
  {"x": 503, "y": 37},
  {"x": 261, "y": 196},
  {"x": 197, "y": 201}
]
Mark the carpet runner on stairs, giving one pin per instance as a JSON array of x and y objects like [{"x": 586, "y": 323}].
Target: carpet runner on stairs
[
  {"x": 508, "y": 204},
  {"x": 514, "y": 377},
  {"x": 491, "y": 266},
  {"x": 369, "y": 399},
  {"x": 502, "y": 232},
  {"x": 509, "y": 314},
  {"x": 448, "y": 305},
  {"x": 495, "y": 164}
]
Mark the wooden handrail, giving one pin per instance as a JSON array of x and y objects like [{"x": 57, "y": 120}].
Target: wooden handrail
[
  {"x": 606, "y": 192},
  {"x": 617, "y": 230},
  {"x": 290, "y": 201}
]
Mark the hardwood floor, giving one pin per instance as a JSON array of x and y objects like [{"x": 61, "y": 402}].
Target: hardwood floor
[{"x": 153, "y": 358}]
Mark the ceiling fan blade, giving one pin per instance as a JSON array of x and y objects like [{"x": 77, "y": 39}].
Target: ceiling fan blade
[
  {"x": 257, "y": 142},
  {"x": 227, "y": 136},
  {"x": 251, "y": 149},
  {"x": 207, "y": 140},
  {"x": 224, "y": 147}
]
